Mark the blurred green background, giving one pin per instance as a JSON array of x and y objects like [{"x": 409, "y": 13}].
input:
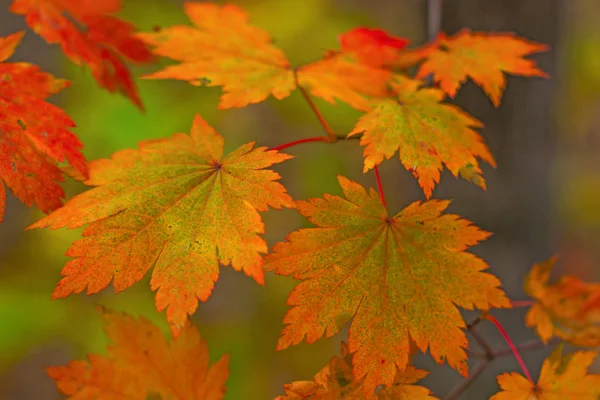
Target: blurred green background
[{"x": 544, "y": 198}]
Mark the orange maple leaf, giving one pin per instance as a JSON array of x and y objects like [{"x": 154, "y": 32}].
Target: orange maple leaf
[
  {"x": 341, "y": 76},
  {"x": 562, "y": 378},
  {"x": 35, "y": 135},
  {"x": 481, "y": 56},
  {"x": 87, "y": 33},
  {"x": 565, "y": 309},
  {"x": 399, "y": 277},
  {"x": 141, "y": 362},
  {"x": 176, "y": 204},
  {"x": 335, "y": 381},
  {"x": 427, "y": 133},
  {"x": 372, "y": 46},
  {"x": 223, "y": 49}
]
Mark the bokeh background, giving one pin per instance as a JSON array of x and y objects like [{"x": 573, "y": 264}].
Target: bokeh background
[{"x": 543, "y": 199}]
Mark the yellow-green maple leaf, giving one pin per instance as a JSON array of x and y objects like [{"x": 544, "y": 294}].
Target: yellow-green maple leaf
[
  {"x": 176, "y": 204},
  {"x": 427, "y": 133},
  {"x": 400, "y": 278}
]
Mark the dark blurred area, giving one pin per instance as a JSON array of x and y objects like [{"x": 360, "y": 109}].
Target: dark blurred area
[{"x": 543, "y": 199}]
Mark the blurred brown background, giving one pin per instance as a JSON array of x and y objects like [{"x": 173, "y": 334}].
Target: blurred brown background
[{"x": 544, "y": 198}]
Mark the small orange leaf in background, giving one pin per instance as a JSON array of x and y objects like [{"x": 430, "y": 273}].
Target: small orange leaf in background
[
  {"x": 400, "y": 278},
  {"x": 223, "y": 49},
  {"x": 428, "y": 135},
  {"x": 482, "y": 57},
  {"x": 140, "y": 363},
  {"x": 567, "y": 309},
  {"x": 562, "y": 378},
  {"x": 35, "y": 135},
  {"x": 339, "y": 75},
  {"x": 372, "y": 46},
  {"x": 335, "y": 381},
  {"x": 101, "y": 42},
  {"x": 176, "y": 204}
]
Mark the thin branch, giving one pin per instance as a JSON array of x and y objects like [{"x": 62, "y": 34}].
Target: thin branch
[
  {"x": 434, "y": 24},
  {"x": 488, "y": 352},
  {"x": 478, "y": 370}
]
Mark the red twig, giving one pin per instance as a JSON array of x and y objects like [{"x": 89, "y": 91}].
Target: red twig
[
  {"x": 522, "y": 303},
  {"x": 511, "y": 345},
  {"x": 378, "y": 178},
  {"x": 295, "y": 142}
]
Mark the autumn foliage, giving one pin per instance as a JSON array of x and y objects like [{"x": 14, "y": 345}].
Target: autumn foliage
[{"x": 181, "y": 208}]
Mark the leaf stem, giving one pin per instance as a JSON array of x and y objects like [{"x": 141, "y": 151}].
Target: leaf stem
[
  {"x": 522, "y": 303},
  {"x": 330, "y": 133},
  {"x": 378, "y": 178},
  {"x": 512, "y": 346}
]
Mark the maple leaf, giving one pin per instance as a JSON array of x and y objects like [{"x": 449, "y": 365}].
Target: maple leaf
[
  {"x": 566, "y": 309},
  {"x": 176, "y": 204},
  {"x": 427, "y": 133},
  {"x": 335, "y": 381},
  {"x": 141, "y": 362},
  {"x": 88, "y": 34},
  {"x": 372, "y": 46},
  {"x": 35, "y": 135},
  {"x": 399, "y": 277},
  {"x": 481, "y": 56},
  {"x": 223, "y": 49},
  {"x": 562, "y": 378},
  {"x": 341, "y": 76}
]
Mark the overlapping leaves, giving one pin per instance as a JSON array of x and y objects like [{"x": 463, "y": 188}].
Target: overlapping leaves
[
  {"x": 141, "y": 363},
  {"x": 335, "y": 381},
  {"x": 176, "y": 204},
  {"x": 35, "y": 136},
  {"x": 88, "y": 33},
  {"x": 400, "y": 278}
]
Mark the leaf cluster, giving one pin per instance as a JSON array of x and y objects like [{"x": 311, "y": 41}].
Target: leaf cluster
[{"x": 181, "y": 208}]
